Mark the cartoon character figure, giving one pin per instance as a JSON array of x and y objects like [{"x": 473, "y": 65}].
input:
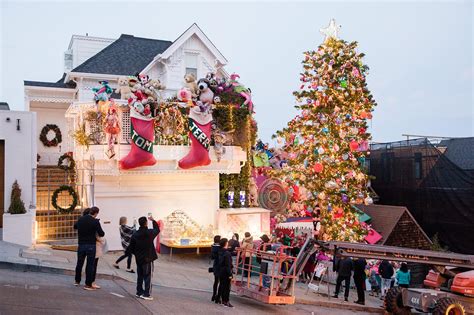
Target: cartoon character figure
[
  {"x": 242, "y": 90},
  {"x": 191, "y": 85},
  {"x": 112, "y": 129},
  {"x": 102, "y": 93},
  {"x": 206, "y": 96}
]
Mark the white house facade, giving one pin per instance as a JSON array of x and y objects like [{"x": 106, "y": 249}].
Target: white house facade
[{"x": 159, "y": 189}]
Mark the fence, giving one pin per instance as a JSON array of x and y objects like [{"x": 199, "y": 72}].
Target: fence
[{"x": 51, "y": 224}]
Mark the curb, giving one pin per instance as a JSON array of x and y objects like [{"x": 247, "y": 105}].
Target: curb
[{"x": 346, "y": 306}]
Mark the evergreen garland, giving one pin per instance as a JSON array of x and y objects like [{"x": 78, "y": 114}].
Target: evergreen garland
[{"x": 72, "y": 192}]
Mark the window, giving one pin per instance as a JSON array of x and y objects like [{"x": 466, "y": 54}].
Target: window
[
  {"x": 418, "y": 166},
  {"x": 191, "y": 63}
]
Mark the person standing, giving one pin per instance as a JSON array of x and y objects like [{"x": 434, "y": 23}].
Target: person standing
[
  {"x": 233, "y": 244},
  {"x": 126, "y": 233},
  {"x": 88, "y": 228},
  {"x": 100, "y": 250},
  {"x": 359, "y": 279},
  {"x": 247, "y": 246},
  {"x": 403, "y": 276},
  {"x": 215, "y": 269},
  {"x": 343, "y": 267},
  {"x": 386, "y": 272},
  {"x": 141, "y": 245},
  {"x": 225, "y": 272}
]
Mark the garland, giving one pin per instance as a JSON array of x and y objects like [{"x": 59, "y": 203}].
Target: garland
[
  {"x": 70, "y": 165},
  {"x": 72, "y": 192},
  {"x": 57, "y": 135}
]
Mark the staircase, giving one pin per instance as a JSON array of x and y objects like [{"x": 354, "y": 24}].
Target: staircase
[{"x": 54, "y": 226}]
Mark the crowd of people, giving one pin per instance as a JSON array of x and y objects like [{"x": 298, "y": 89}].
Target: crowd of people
[
  {"x": 138, "y": 242},
  {"x": 379, "y": 275}
]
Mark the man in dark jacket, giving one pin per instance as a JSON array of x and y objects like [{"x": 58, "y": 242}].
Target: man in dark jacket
[
  {"x": 225, "y": 272},
  {"x": 88, "y": 228},
  {"x": 343, "y": 267},
  {"x": 141, "y": 245},
  {"x": 215, "y": 268},
  {"x": 386, "y": 272},
  {"x": 359, "y": 279}
]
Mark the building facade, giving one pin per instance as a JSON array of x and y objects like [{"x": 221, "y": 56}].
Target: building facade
[{"x": 159, "y": 189}]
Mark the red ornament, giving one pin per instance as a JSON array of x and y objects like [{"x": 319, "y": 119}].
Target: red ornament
[
  {"x": 354, "y": 145},
  {"x": 318, "y": 167}
]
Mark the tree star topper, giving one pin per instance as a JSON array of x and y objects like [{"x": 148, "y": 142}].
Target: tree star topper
[{"x": 331, "y": 30}]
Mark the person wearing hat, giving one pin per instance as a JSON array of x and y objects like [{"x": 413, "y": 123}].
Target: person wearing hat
[{"x": 264, "y": 246}]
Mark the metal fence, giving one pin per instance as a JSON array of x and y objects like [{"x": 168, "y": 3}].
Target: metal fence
[{"x": 52, "y": 224}]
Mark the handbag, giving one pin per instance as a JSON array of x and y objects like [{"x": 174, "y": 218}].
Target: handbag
[{"x": 210, "y": 269}]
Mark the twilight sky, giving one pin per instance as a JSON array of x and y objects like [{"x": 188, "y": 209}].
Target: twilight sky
[{"x": 419, "y": 52}]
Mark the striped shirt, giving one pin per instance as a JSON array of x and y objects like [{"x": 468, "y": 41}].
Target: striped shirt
[{"x": 126, "y": 235}]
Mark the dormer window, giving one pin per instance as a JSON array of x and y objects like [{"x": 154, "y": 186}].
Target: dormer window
[{"x": 191, "y": 63}]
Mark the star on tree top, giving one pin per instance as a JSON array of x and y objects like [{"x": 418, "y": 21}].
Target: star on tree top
[{"x": 331, "y": 30}]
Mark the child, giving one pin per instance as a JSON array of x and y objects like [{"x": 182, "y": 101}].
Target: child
[
  {"x": 125, "y": 234},
  {"x": 403, "y": 276},
  {"x": 374, "y": 284}
]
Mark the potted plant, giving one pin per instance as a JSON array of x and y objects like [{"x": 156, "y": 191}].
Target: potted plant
[{"x": 18, "y": 224}]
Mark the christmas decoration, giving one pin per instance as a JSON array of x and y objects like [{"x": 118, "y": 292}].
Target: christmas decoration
[
  {"x": 112, "y": 129},
  {"x": 327, "y": 142},
  {"x": 143, "y": 136},
  {"x": 16, "y": 204},
  {"x": 181, "y": 228},
  {"x": 72, "y": 193},
  {"x": 70, "y": 163},
  {"x": 44, "y": 135}
]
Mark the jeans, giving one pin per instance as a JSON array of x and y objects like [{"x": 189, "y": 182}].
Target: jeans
[
  {"x": 347, "y": 282},
  {"x": 386, "y": 283},
  {"x": 83, "y": 251},
  {"x": 224, "y": 288},
  {"x": 246, "y": 267},
  {"x": 144, "y": 272},
  {"x": 215, "y": 292},
  {"x": 129, "y": 260}
]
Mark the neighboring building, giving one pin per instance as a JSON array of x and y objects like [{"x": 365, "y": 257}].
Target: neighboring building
[
  {"x": 397, "y": 226},
  {"x": 159, "y": 189},
  {"x": 17, "y": 163},
  {"x": 434, "y": 181}
]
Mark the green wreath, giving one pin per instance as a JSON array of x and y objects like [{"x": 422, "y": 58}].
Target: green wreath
[
  {"x": 57, "y": 136},
  {"x": 54, "y": 199},
  {"x": 71, "y": 164}
]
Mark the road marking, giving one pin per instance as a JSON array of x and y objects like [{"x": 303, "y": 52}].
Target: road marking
[{"x": 116, "y": 294}]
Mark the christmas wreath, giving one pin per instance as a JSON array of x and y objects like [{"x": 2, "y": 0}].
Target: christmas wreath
[
  {"x": 70, "y": 163},
  {"x": 54, "y": 199},
  {"x": 44, "y": 135}
]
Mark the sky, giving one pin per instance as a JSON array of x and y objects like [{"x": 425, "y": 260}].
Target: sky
[{"x": 420, "y": 53}]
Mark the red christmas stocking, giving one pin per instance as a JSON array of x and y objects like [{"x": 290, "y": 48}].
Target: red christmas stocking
[
  {"x": 200, "y": 134},
  {"x": 143, "y": 136}
]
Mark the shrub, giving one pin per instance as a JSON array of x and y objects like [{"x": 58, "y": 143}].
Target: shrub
[{"x": 16, "y": 205}]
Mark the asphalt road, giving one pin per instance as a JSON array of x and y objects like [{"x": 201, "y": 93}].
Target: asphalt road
[{"x": 43, "y": 293}]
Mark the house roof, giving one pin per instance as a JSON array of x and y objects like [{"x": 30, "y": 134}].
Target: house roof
[
  {"x": 384, "y": 218},
  {"x": 58, "y": 84},
  {"x": 4, "y": 106},
  {"x": 125, "y": 56},
  {"x": 460, "y": 151}
]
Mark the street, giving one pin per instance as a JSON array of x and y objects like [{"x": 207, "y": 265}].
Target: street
[{"x": 44, "y": 293}]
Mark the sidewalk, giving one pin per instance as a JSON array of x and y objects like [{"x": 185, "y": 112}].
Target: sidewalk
[{"x": 189, "y": 271}]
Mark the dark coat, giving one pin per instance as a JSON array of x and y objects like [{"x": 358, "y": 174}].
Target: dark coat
[
  {"x": 215, "y": 258},
  {"x": 233, "y": 244},
  {"x": 141, "y": 244},
  {"x": 88, "y": 228},
  {"x": 343, "y": 267},
  {"x": 386, "y": 269},
  {"x": 225, "y": 263},
  {"x": 359, "y": 269}
]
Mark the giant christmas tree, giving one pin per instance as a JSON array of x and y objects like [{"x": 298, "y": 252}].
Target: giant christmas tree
[{"x": 327, "y": 142}]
